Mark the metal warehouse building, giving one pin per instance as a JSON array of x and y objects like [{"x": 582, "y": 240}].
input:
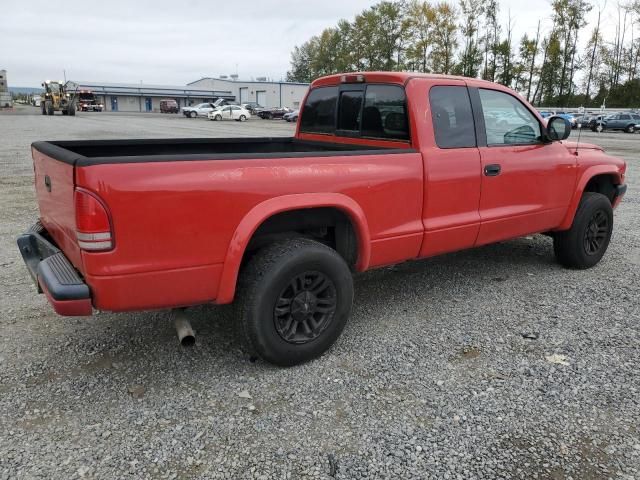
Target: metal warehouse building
[
  {"x": 132, "y": 97},
  {"x": 265, "y": 93}
]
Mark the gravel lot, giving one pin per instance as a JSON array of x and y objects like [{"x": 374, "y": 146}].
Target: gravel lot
[{"x": 446, "y": 369}]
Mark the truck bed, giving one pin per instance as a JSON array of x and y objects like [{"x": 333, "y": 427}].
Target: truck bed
[{"x": 93, "y": 152}]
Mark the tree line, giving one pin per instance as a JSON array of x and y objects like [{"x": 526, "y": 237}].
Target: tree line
[{"x": 565, "y": 63}]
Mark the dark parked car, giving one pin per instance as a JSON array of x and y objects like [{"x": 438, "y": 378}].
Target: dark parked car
[
  {"x": 627, "y": 122},
  {"x": 169, "y": 105},
  {"x": 253, "y": 107},
  {"x": 272, "y": 113}
]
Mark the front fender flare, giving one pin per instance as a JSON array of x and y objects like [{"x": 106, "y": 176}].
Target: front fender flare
[
  {"x": 587, "y": 175},
  {"x": 261, "y": 212}
]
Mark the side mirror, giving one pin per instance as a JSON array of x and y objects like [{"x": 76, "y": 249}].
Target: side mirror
[{"x": 558, "y": 128}]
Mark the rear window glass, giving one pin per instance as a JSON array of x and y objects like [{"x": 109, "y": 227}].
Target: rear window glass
[
  {"x": 319, "y": 115},
  {"x": 385, "y": 113},
  {"x": 452, "y": 117},
  {"x": 350, "y": 111}
]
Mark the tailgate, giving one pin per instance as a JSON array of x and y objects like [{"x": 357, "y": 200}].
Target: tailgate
[{"x": 54, "y": 181}]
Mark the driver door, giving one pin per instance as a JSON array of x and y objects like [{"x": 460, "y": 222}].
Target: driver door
[{"x": 526, "y": 184}]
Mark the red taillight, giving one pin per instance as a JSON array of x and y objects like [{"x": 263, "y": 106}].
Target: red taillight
[{"x": 93, "y": 227}]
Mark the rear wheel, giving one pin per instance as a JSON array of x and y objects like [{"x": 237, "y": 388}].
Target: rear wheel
[
  {"x": 294, "y": 299},
  {"x": 585, "y": 243},
  {"x": 243, "y": 118}
]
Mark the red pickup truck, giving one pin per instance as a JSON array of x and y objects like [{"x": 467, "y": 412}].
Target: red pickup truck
[{"x": 383, "y": 168}]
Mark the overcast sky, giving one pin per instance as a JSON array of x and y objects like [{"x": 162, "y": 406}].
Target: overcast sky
[{"x": 176, "y": 42}]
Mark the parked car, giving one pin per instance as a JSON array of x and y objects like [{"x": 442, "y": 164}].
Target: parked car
[
  {"x": 230, "y": 112},
  {"x": 545, "y": 114},
  {"x": 169, "y": 105},
  {"x": 627, "y": 122},
  {"x": 200, "y": 110},
  {"x": 292, "y": 116},
  {"x": 253, "y": 107},
  {"x": 278, "y": 225},
  {"x": 582, "y": 121},
  {"x": 271, "y": 113}
]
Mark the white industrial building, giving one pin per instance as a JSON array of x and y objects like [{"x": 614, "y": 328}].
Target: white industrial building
[
  {"x": 138, "y": 97},
  {"x": 133, "y": 97},
  {"x": 265, "y": 93}
]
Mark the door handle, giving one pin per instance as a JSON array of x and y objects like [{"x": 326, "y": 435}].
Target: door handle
[
  {"x": 492, "y": 170},
  {"x": 47, "y": 182}
]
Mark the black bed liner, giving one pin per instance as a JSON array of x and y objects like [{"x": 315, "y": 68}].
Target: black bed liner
[{"x": 95, "y": 152}]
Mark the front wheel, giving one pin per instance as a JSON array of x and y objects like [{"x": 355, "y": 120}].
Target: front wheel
[
  {"x": 218, "y": 118},
  {"x": 630, "y": 129},
  {"x": 585, "y": 243},
  {"x": 599, "y": 128},
  {"x": 193, "y": 114},
  {"x": 243, "y": 118},
  {"x": 294, "y": 300}
]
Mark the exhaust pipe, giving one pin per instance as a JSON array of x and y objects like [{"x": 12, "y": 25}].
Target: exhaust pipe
[{"x": 186, "y": 335}]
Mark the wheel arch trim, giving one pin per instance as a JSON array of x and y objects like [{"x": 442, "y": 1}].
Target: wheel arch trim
[
  {"x": 586, "y": 177},
  {"x": 273, "y": 206}
]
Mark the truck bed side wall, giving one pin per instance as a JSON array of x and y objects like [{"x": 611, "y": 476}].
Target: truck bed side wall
[{"x": 173, "y": 221}]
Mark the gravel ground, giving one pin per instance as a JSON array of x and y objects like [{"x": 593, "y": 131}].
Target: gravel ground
[{"x": 489, "y": 363}]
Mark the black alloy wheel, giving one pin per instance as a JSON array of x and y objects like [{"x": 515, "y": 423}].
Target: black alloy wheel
[
  {"x": 305, "y": 307},
  {"x": 596, "y": 233},
  {"x": 586, "y": 242}
]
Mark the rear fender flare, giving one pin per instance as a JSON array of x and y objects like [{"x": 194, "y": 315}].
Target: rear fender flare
[
  {"x": 261, "y": 212},
  {"x": 582, "y": 183}
]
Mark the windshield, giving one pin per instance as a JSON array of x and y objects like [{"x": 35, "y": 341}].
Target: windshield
[{"x": 54, "y": 87}]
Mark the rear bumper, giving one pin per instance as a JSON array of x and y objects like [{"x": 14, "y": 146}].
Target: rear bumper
[{"x": 53, "y": 274}]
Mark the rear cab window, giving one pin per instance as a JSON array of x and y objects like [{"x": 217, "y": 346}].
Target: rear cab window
[
  {"x": 376, "y": 111},
  {"x": 452, "y": 117}
]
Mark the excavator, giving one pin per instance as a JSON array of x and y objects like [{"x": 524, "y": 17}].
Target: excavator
[{"x": 58, "y": 96}]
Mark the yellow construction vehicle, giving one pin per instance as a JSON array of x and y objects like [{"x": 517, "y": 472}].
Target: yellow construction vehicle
[{"x": 58, "y": 97}]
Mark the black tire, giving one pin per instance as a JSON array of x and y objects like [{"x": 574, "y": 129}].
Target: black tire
[
  {"x": 218, "y": 118},
  {"x": 193, "y": 114},
  {"x": 585, "y": 243},
  {"x": 42, "y": 107},
  {"x": 48, "y": 105},
  {"x": 242, "y": 118},
  {"x": 71, "y": 110},
  {"x": 630, "y": 129},
  {"x": 314, "y": 288}
]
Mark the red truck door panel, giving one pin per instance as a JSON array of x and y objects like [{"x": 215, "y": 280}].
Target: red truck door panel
[
  {"x": 452, "y": 164},
  {"x": 526, "y": 184}
]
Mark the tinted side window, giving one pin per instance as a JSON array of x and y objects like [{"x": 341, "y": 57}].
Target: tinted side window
[
  {"x": 507, "y": 120},
  {"x": 385, "y": 113},
  {"x": 636, "y": 117},
  {"x": 625, "y": 117},
  {"x": 350, "y": 110},
  {"x": 452, "y": 117},
  {"x": 319, "y": 113}
]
